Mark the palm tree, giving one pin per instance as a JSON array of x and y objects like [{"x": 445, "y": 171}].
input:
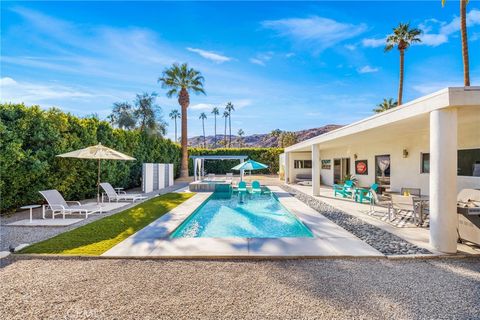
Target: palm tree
[
  {"x": 385, "y": 105},
  {"x": 202, "y": 117},
  {"x": 215, "y": 113},
  {"x": 225, "y": 115},
  {"x": 180, "y": 80},
  {"x": 402, "y": 37},
  {"x": 229, "y": 108},
  {"x": 240, "y": 133},
  {"x": 463, "y": 31},
  {"x": 148, "y": 114},
  {"x": 174, "y": 115}
]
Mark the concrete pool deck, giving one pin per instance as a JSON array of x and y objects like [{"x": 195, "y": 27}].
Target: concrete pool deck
[{"x": 330, "y": 239}]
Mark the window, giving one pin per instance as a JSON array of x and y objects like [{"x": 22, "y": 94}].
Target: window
[
  {"x": 302, "y": 164},
  {"x": 425, "y": 165},
  {"x": 468, "y": 162}
]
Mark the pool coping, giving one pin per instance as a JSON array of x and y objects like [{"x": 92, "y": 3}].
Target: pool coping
[{"x": 330, "y": 240}]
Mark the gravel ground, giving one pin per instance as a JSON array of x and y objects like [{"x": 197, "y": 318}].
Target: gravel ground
[
  {"x": 225, "y": 289},
  {"x": 383, "y": 241},
  {"x": 14, "y": 236}
]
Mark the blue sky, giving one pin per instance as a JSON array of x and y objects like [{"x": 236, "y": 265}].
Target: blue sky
[{"x": 284, "y": 65}]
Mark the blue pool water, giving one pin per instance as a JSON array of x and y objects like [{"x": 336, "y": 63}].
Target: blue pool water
[{"x": 258, "y": 216}]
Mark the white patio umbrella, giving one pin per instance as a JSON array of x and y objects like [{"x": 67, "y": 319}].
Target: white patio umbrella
[{"x": 98, "y": 152}]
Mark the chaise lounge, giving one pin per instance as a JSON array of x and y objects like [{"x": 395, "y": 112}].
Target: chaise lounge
[
  {"x": 58, "y": 205},
  {"x": 122, "y": 195}
]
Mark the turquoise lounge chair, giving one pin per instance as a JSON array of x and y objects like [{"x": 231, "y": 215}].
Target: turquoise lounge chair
[
  {"x": 366, "y": 194},
  {"x": 242, "y": 186},
  {"x": 256, "y": 187},
  {"x": 346, "y": 190}
]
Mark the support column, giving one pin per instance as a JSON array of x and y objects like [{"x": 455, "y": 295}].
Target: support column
[
  {"x": 443, "y": 180},
  {"x": 287, "y": 167},
  {"x": 315, "y": 169}
]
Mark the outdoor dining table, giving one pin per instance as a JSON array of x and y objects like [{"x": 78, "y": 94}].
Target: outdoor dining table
[{"x": 420, "y": 200}]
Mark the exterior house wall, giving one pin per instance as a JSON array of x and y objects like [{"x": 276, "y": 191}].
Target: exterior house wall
[
  {"x": 298, "y": 156},
  {"x": 404, "y": 172}
]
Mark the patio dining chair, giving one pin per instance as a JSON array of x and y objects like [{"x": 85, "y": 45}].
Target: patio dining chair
[
  {"x": 379, "y": 200},
  {"x": 400, "y": 203},
  {"x": 411, "y": 191},
  {"x": 58, "y": 205}
]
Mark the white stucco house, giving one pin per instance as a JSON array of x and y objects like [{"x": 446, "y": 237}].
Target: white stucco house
[{"x": 432, "y": 143}]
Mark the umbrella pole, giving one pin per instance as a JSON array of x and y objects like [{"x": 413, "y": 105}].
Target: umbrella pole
[{"x": 98, "y": 183}]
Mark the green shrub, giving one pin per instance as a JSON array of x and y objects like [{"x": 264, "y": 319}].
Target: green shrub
[{"x": 30, "y": 138}]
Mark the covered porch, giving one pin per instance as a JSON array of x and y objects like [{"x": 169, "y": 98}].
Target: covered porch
[{"x": 422, "y": 144}]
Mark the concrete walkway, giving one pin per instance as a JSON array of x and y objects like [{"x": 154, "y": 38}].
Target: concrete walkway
[{"x": 329, "y": 239}]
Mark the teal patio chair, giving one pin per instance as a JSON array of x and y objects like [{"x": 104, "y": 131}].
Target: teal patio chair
[
  {"x": 366, "y": 194},
  {"x": 242, "y": 186},
  {"x": 256, "y": 187},
  {"x": 346, "y": 190}
]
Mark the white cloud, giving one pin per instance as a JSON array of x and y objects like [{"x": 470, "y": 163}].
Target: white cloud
[
  {"x": 257, "y": 61},
  {"x": 202, "y": 106},
  {"x": 315, "y": 31},
  {"x": 37, "y": 93},
  {"x": 290, "y": 54},
  {"x": 427, "y": 88},
  {"x": 350, "y": 47},
  {"x": 215, "y": 57},
  {"x": 373, "y": 42},
  {"x": 367, "y": 69},
  {"x": 433, "y": 39},
  {"x": 262, "y": 58}
]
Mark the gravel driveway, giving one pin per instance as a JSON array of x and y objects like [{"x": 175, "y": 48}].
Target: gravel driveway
[{"x": 283, "y": 289}]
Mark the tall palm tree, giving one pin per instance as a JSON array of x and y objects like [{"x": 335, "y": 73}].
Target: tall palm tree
[
  {"x": 174, "y": 115},
  {"x": 385, "y": 105},
  {"x": 402, "y": 37},
  {"x": 463, "y": 31},
  {"x": 202, "y": 117},
  {"x": 215, "y": 113},
  {"x": 229, "y": 108},
  {"x": 180, "y": 80},
  {"x": 225, "y": 115}
]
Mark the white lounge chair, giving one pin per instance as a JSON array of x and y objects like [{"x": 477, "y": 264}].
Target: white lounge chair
[
  {"x": 122, "y": 195},
  {"x": 58, "y": 205}
]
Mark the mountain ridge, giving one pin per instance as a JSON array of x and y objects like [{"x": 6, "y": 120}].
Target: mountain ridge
[{"x": 261, "y": 139}]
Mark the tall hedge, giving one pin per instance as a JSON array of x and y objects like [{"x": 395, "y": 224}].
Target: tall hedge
[
  {"x": 268, "y": 156},
  {"x": 30, "y": 138}
]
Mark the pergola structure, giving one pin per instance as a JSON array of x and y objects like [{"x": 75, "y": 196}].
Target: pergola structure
[{"x": 199, "y": 162}]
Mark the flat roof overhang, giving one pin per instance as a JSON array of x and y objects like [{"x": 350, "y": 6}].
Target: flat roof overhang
[{"x": 410, "y": 118}]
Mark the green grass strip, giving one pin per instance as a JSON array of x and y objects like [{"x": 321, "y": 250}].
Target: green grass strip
[{"x": 97, "y": 237}]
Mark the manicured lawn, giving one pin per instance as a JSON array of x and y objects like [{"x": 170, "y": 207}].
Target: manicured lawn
[{"x": 97, "y": 237}]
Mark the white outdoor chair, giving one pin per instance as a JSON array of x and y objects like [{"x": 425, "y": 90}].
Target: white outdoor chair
[
  {"x": 58, "y": 205},
  {"x": 402, "y": 203},
  {"x": 380, "y": 201},
  {"x": 122, "y": 195}
]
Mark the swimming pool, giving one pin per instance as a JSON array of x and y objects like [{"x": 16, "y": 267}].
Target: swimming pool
[{"x": 223, "y": 215}]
